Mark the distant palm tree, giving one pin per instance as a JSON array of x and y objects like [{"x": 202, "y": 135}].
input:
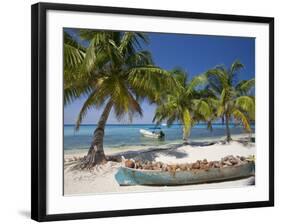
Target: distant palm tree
[
  {"x": 235, "y": 99},
  {"x": 115, "y": 73},
  {"x": 185, "y": 104}
]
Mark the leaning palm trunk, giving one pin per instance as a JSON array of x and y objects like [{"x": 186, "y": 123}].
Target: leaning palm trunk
[
  {"x": 185, "y": 135},
  {"x": 96, "y": 153},
  {"x": 228, "y": 137}
]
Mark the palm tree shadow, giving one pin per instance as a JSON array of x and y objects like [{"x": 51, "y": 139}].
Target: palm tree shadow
[{"x": 151, "y": 154}]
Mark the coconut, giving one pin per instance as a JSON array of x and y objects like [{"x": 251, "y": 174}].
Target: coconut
[
  {"x": 129, "y": 163},
  {"x": 196, "y": 165}
]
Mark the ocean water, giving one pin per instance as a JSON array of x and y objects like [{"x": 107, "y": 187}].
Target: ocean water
[{"x": 126, "y": 136}]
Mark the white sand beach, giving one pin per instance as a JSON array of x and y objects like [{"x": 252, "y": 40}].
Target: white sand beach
[{"x": 101, "y": 179}]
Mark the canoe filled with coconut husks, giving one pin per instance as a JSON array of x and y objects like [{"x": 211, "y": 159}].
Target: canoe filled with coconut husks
[{"x": 202, "y": 171}]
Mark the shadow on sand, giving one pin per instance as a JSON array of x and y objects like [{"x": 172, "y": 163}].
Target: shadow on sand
[{"x": 151, "y": 153}]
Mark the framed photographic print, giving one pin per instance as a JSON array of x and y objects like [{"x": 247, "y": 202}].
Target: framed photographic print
[{"x": 138, "y": 111}]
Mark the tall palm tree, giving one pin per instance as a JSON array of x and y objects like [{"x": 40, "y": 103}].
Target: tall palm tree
[
  {"x": 118, "y": 74},
  {"x": 235, "y": 98},
  {"x": 185, "y": 104}
]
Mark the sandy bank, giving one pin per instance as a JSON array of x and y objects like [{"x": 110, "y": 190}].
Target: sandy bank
[{"x": 101, "y": 178}]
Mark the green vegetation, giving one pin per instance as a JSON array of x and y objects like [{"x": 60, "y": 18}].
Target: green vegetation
[
  {"x": 114, "y": 73},
  {"x": 234, "y": 100},
  {"x": 185, "y": 104}
]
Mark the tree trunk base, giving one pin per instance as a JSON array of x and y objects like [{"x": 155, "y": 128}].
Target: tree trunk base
[
  {"x": 95, "y": 157},
  {"x": 228, "y": 139}
]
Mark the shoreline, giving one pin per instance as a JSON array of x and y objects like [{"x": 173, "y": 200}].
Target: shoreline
[
  {"x": 101, "y": 179},
  {"x": 78, "y": 153}
]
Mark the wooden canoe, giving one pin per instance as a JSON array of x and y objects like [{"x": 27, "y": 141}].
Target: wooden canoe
[{"x": 128, "y": 176}]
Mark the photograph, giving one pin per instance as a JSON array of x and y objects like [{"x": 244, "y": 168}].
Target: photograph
[
  {"x": 138, "y": 112},
  {"x": 154, "y": 111}
]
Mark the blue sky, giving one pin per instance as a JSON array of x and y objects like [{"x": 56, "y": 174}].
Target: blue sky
[{"x": 193, "y": 53}]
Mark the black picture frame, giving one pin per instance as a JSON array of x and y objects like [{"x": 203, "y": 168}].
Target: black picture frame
[{"x": 38, "y": 108}]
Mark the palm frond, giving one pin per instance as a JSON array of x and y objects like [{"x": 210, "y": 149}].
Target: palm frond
[
  {"x": 180, "y": 75},
  {"x": 240, "y": 116},
  {"x": 195, "y": 82},
  {"x": 247, "y": 104},
  {"x": 166, "y": 111},
  {"x": 101, "y": 52},
  {"x": 73, "y": 57},
  {"x": 87, "y": 34},
  {"x": 236, "y": 67},
  {"x": 139, "y": 59},
  {"x": 202, "y": 108},
  {"x": 124, "y": 101},
  {"x": 132, "y": 41},
  {"x": 244, "y": 86},
  {"x": 93, "y": 100},
  {"x": 218, "y": 78},
  {"x": 68, "y": 39},
  {"x": 149, "y": 80}
]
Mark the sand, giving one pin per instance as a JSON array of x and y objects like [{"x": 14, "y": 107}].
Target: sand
[{"x": 101, "y": 179}]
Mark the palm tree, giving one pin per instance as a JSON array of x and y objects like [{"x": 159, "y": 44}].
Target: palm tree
[
  {"x": 118, "y": 74},
  {"x": 185, "y": 104},
  {"x": 74, "y": 54},
  {"x": 235, "y": 98}
]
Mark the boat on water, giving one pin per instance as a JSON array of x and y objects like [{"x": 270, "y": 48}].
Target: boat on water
[
  {"x": 131, "y": 176},
  {"x": 152, "y": 133}
]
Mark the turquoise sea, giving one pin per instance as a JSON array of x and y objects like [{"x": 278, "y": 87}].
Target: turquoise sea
[{"x": 126, "y": 136}]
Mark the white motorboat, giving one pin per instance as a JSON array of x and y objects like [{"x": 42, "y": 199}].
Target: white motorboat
[{"x": 152, "y": 134}]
